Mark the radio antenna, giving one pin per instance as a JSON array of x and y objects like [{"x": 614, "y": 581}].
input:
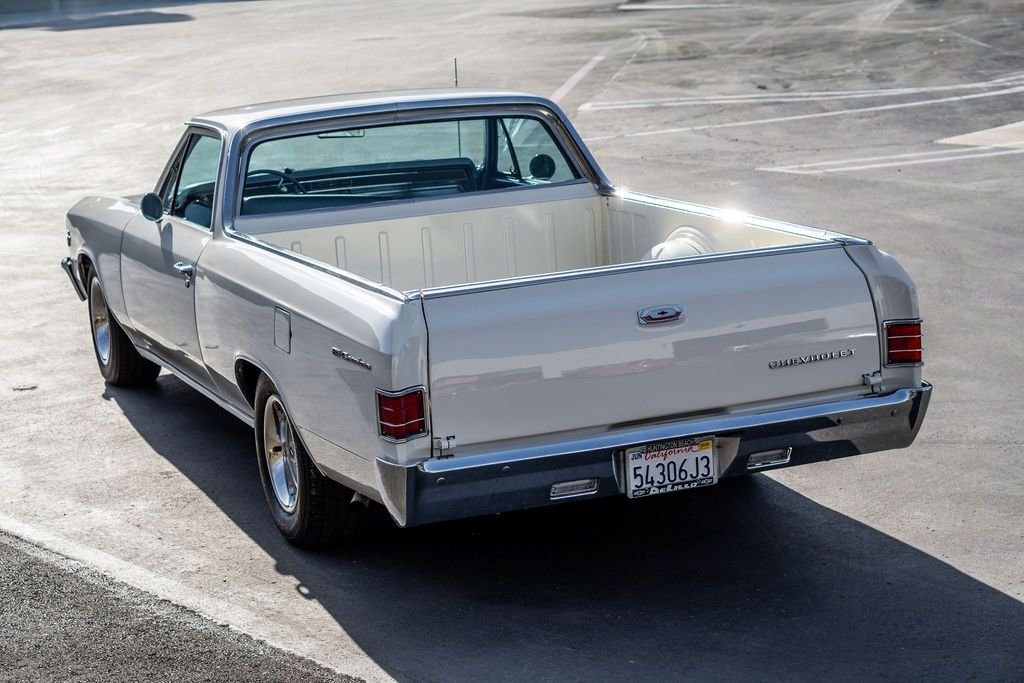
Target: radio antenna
[{"x": 458, "y": 124}]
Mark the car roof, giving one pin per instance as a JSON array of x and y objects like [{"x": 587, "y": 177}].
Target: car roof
[{"x": 254, "y": 116}]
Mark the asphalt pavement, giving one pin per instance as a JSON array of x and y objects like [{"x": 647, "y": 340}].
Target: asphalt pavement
[
  {"x": 63, "y": 621},
  {"x": 892, "y": 120}
]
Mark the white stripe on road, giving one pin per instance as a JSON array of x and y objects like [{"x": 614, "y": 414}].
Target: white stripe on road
[
  {"x": 887, "y": 157},
  {"x": 1008, "y": 135},
  {"x": 632, "y": 7},
  {"x": 576, "y": 78},
  {"x": 974, "y": 153},
  {"x": 772, "y": 98},
  {"x": 804, "y": 117}
]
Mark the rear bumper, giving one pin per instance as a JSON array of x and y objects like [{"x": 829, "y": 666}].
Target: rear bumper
[{"x": 451, "y": 488}]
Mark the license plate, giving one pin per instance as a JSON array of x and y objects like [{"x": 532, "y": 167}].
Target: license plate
[{"x": 671, "y": 466}]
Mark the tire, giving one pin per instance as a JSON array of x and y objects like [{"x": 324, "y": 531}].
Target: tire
[
  {"x": 310, "y": 510},
  {"x": 119, "y": 360}
]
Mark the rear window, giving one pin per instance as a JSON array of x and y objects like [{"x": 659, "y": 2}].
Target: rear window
[{"x": 354, "y": 167}]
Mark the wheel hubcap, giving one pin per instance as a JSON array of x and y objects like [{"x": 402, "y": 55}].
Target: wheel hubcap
[
  {"x": 100, "y": 322},
  {"x": 280, "y": 454}
]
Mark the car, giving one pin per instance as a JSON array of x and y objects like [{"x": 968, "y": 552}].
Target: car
[{"x": 436, "y": 301}]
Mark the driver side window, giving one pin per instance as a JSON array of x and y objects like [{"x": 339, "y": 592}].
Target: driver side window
[{"x": 191, "y": 185}]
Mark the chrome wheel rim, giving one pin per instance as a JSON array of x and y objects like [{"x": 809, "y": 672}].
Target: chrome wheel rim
[
  {"x": 280, "y": 453},
  {"x": 100, "y": 322}
]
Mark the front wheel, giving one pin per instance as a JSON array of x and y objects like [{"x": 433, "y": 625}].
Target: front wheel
[
  {"x": 119, "y": 360},
  {"x": 309, "y": 509}
]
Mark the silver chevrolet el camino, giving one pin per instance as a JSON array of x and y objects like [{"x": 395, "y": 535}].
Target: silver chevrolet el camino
[{"x": 436, "y": 301}]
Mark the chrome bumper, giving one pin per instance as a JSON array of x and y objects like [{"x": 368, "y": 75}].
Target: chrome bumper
[
  {"x": 69, "y": 267},
  {"x": 450, "y": 488}
]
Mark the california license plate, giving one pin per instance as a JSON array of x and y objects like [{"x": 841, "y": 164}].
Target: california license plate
[{"x": 671, "y": 466}]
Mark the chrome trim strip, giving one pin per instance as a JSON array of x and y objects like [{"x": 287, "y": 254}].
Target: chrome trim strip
[
  {"x": 745, "y": 219},
  {"x": 69, "y": 267},
  {"x": 187, "y": 379},
  {"x": 713, "y": 425},
  {"x": 526, "y": 281}
]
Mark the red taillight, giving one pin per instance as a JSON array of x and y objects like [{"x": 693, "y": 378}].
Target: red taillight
[
  {"x": 903, "y": 342},
  {"x": 401, "y": 415}
]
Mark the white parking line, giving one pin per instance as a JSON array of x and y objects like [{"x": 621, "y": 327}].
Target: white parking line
[
  {"x": 804, "y": 117},
  {"x": 632, "y": 7},
  {"x": 1007, "y": 135},
  {"x": 775, "y": 98},
  {"x": 887, "y": 157},
  {"x": 911, "y": 159},
  {"x": 564, "y": 89}
]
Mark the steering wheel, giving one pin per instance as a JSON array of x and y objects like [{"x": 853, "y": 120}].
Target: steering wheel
[{"x": 285, "y": 178}]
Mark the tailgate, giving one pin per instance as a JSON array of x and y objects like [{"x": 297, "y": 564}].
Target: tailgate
[{"x": 563, "y": 354}]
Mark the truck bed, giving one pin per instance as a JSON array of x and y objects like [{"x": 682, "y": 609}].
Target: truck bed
[{"x": 487, "y": 237}]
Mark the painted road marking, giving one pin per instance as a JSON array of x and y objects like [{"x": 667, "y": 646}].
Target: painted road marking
[
  {"x": 775, "y": 98},
  {"x": 804, "y": 117},
  {"x": 632, "y": 7},
  {"x": 1010, "y": 135},
  {"x": 911, "y": 159},
  {"x": 564, "y": 89}
]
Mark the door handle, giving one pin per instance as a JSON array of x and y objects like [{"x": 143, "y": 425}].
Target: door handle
[{"x": 186, "y": 270}]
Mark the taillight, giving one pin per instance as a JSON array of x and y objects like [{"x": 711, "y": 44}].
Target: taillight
[
  {"x": 903, "y": 342},
  {"x": 401, "y": 414}
]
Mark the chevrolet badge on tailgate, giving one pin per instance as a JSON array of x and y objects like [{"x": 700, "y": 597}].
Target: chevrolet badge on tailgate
[{"x": 661, "y": 314}]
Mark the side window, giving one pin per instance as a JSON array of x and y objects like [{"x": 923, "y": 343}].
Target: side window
[
  {"x": 526, "y": 151},
  {"x": 191, "y": 184}
]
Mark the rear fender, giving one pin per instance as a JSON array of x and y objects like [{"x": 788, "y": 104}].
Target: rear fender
[{"x": 895, "y": 298}]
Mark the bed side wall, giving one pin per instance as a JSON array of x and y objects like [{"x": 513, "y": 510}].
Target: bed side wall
[
  {"x": 431, "y": 250},
  {"x": 634, "y": 226}
]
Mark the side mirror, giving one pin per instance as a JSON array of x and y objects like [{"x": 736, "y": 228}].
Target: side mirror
[{"x": 152, "y": 206}]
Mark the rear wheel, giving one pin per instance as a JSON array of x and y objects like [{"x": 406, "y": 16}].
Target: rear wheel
[
  {"x": 119, "y": 360},
  {"x": 309, "y": 509}
]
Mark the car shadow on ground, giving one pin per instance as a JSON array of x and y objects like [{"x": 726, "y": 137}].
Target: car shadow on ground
[
  {"x": 76, "y": 15},
  {"x": 66, "y": 22},
  {"x": 747, "y": 580}
]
